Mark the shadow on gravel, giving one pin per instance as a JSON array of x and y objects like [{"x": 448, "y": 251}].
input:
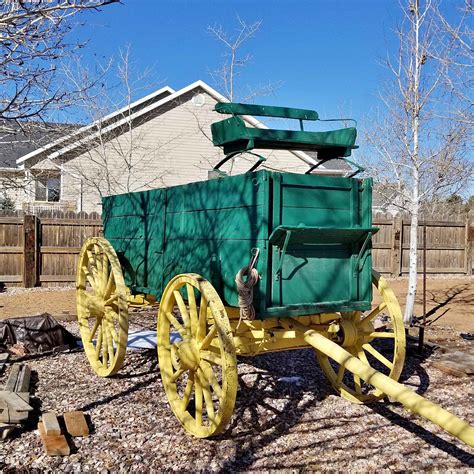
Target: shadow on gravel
[
  {"x": 413, "y": 368},
  {"x": 384, "y": 410},
  {"x": 269, "y": 405},
  {"x": 123, "y": 393},
  {"x": 145, "y": 360},
  {"x": 268, "y": 408}
]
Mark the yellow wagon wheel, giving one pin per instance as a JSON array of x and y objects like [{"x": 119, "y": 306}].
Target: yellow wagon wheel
[
  {"x": 102, "y": 308},
  {"x": 383, "y": 349},
  {"x": 197, "y": 356}
]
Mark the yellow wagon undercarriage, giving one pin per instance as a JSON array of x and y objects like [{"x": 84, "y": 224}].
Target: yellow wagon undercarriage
[{"x": 199, "y": 339}]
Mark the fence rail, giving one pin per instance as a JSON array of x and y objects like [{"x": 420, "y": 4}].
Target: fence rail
[{"x": 43, "y": 249}]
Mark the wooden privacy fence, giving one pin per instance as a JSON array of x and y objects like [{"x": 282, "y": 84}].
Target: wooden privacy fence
[
  {"x": 448, "y": 246},
  {"x": 42, "y": 250}
]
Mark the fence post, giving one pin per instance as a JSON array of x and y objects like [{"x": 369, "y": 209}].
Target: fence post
[
  {"x": 30, "y": 251},
  {"x": 469, "y": 242},
  {"x": 397, "y": 226}
]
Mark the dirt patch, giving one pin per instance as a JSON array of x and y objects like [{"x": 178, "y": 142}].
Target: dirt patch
[
  {"x": 449, "y": 301},
  {"x": 20, "y": 302}
]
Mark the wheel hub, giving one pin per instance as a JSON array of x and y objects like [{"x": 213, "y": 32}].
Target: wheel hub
[
  {"x": 96, "y": 307},
  {"x": 189, "y": 355},
  {"x": 349, "y": 333}
]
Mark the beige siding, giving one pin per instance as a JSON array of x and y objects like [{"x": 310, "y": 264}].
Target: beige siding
[
  {"x": 173, "y": 147},
  {"x": 13, "y": 186}
]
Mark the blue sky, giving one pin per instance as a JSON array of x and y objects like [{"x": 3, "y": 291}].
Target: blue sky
[{"x": 326, "y": 53}]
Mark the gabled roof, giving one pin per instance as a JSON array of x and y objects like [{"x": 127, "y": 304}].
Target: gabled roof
[
  {"x": 26, "y": 137},
  {"x": 108, "y": 119},
  {"x": 139, "y": 109}
]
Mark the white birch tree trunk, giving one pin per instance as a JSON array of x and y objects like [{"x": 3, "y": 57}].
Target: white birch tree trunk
[{"x": 413, "y": 260}]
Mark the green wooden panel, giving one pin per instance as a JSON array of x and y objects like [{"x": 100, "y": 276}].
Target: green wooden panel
[
  {"x": 210, "y": 228},
  {"x": 233, "y": 191},
  {"x": 234, "y": 108},
  {"x": 135, "y": 225},
  {"x": 217, "y": 224},
  {"x": 234, "y": 135},
  {"x": 315, "y": 273}
]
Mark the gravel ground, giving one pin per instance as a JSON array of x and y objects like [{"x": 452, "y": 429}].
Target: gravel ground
[{"x": 277, "y": 425}]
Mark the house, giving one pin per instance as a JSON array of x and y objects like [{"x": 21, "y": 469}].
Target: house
[{"x": 163, "y": 139}]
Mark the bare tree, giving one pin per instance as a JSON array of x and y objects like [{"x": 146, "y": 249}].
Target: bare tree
[
  {"x": 420, "y": 148},
  {"x": 114, "y": 148},
  {"x": 225, "y": 77},
  {"x": 33, "y": 39},
  {"x": 457, "y": 36}
]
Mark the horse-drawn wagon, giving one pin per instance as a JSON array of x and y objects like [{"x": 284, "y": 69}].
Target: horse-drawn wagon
[{"x": 242, "y": 265}]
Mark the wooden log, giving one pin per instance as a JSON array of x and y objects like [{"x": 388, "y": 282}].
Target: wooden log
[
  {"x": 450, "y": 368},
  {"x": 14, "y": 401},
  {"x": 51, "y": 424},
  {"x": 53, "y": 445},
  {"x": 12, "y": 378},
  {"x": 11, "y": 416},
  {"x": 76, "y": 423},
  {"x": 23, "y": 381}
]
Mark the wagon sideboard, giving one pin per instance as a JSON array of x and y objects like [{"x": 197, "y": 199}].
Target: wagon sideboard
[{"x": 313, "y": 233}]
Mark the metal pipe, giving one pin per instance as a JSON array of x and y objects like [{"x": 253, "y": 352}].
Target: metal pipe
[{"x": 396, "y": 391}]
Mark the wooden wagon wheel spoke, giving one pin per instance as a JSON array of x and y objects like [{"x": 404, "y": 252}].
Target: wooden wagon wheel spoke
[
  {"x": 211, "y": 357},
  {"x": 391, "y": 339},
  {"x": 207, "y": 397},
  {"x": 183, "y": 311},
  {"x": 98, "y": 346},
  {"x": 377, "y": 334},
  {"x": 205, "y": 353},
  {"x": 175, "y": 323},
  {"x": 340, "y": 374},
  {"x": 177, "y": 375},
  {"x": 174, "y": 357},
  {"x": 105, "y": 346},
  {"x": 104, "y": 305},
  {"x": 375, "y": 312},
  {"x": 188, "y": 391},
  {"x": 198, "y": 403},
  {"x": 193, "y": 310},
  {"x": 211, "y": 377},
  {"x": 209, "y": 337},
  {"x": 94, "y": 330},
  {"x": 374, "y": 352},
  {"x": 111, "y": 299},
  {"x": 110, "y": 285},
  {"x": 202, "y": 322}
]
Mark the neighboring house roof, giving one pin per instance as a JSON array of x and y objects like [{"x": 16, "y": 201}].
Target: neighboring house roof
[
  {"x": 332, "y": 164},
  {"x": 63, "y": 140},
  {"x": 22, "y": 139},
  {"x": 139, "y": 109}
]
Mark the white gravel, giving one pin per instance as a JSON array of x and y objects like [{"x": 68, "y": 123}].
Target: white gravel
[{"x": 277, "y": 425}]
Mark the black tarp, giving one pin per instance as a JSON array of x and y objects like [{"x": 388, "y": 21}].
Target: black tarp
[{"x": 37, "y": 333}]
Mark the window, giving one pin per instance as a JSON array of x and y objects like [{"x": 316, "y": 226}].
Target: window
[{"x": 48, "y": 188}]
